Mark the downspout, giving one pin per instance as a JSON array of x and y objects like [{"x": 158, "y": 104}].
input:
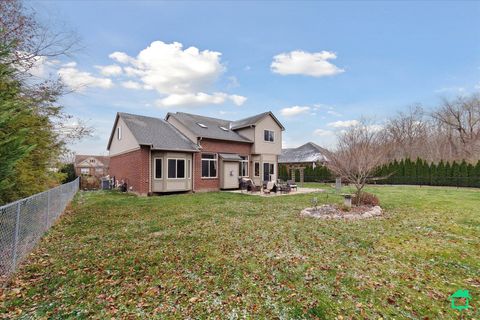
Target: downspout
[
  {"x": 193, "y": 164},
  {"x": 150, "y": 170}
]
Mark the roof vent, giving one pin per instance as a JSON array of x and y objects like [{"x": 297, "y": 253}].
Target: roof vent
[
  {"x": 202, "y": 125},
  {"x": 224, "y": 129}
]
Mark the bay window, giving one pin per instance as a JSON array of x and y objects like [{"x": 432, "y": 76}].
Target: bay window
[{"x": 176, "y": 168}]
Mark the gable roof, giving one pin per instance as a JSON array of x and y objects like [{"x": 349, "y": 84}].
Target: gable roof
[
  {"x": 154, "y": 132},
  {"x": 79, "y": 158},
  {"x": 309, "y": 152},
  {"x": 213, "y": 128},
  {"x": 251, "y": 121}
]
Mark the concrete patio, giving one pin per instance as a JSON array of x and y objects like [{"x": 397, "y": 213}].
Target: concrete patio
[{"x": 278, "y": 194}]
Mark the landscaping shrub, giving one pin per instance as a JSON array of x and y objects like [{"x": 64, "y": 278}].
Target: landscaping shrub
[{"x": 366, "y": 199}]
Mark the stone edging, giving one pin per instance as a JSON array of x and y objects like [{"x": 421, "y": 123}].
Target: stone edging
[{"x": 374, "y": 212}]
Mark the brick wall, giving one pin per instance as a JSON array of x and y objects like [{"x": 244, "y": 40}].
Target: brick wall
[
  {"x": 215, "y": 146},
  {"x": 133, "y": 167}
]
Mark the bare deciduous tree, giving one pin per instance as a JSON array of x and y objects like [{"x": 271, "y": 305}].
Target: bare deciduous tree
[
  {"x": 449, "y": 132},
  {"x": 31, "y": 42},
  {"x": 361, "y": 149},
  {"x": 461, "y": 120}
]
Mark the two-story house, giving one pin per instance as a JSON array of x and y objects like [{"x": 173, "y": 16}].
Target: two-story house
[
  {"x": 91, "y": 165},
  {"x": 187, "y": 152}
]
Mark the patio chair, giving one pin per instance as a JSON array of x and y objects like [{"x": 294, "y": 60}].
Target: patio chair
[
  {"x": 253, "y": 187},
  {"x": 292, "y": 184},
  {"x": 243, "y": 184},
  {"x": 270, "y": 187}
]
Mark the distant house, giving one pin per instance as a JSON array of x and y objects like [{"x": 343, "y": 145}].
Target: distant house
[
  {"x": 188, "y": 152},
  {"x": 91, "y": 165},
  {"x": 309, "y": 154}
]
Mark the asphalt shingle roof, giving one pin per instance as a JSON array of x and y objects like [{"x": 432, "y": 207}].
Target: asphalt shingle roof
[
  {"x": 230, "y": 156},
  {"x": 103, "y": 159},
  {"x": 213, "y": 128},
  {"x": 309, "y": 152},
  {"x": 157, "y": 133}
]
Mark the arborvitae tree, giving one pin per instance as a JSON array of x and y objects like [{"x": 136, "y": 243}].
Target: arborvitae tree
[
  {"x": 433, "y": 174},
  {"x": 463, "y": 174},
  {"x": 440, "y": 174},
  {"x": 476, "y": 175},
  {"x": 426, "y": 170},
  {"x": 419, "y": 172},
  {"x": 455, "y": 174},
  {"x": 447, "y": 178}
]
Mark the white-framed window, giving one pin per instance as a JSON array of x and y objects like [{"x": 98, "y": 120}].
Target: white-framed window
[
  {"x": 209, "y": 165},
  {"x": 243, "y": 167},
  {"x": 189, "y": 169},
  {"x": 269, "y": 135},
  {"x": 119, "y": 133},
  {"x": 158, "y": 168},
  {"x": 99, "y": 170},
  {"x": 176, "y": 168},
  {"x": 256, "y": 169},
  {"x": 85, "y": 170}
]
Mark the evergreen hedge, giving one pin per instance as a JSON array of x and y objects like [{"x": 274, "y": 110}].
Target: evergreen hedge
[{"x": 418, "y": 172}]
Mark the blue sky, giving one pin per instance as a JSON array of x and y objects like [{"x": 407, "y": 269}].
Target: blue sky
[{"x": 316, "y": 65}]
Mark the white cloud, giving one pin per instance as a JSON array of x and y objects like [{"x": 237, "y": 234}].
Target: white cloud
[
  {"x": 182, "y": 76},
  {"x": 121, "y": 57},
  {"x": 237, "y": 100},
  {"x": 343, "y": 124},
  {"x": 375, "y": 127},
  {"x": 294, "y": 111},
  {"x": 323, "y": 133},
  {"x": 110, "y": 70},
  {"x": 451, "y": 89},
  {"x": 198, "y": 99},
  {"x": 334, "y": 113},
  {"x": 79, "y": 80},
  {"x": 131, "y": 85},
  {"x": 314, "y": 64},
  {"x": 233, "y": 82},
  {"x": 39, "y": 67},
  {"x": 169, "y": 69},
  {"x": 71, "y": 64}
]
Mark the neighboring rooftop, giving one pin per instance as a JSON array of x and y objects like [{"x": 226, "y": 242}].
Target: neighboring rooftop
[
  {"x": 155, "y": 132},
  {"x": 105, "y": 160},
  {"x": 307, "y": 153}
]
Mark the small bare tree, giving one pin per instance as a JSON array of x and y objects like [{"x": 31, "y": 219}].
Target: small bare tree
[{"x": 361, "y": 150}]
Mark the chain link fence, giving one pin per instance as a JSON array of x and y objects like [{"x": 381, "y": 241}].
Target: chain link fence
[{"x": 23, "y": 223}]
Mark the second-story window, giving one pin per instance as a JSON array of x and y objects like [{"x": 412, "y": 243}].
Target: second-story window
[
  {"x": 269, "y": 135},
  {"x": 119, "y": 133}
]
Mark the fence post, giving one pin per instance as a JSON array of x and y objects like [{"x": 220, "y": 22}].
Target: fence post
[
  {"x": 48, "y": 209},
  {"x": 15, "y": 237}
]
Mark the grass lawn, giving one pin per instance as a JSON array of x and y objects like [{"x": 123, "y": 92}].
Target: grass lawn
[{"x": 229, "y": 256}]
